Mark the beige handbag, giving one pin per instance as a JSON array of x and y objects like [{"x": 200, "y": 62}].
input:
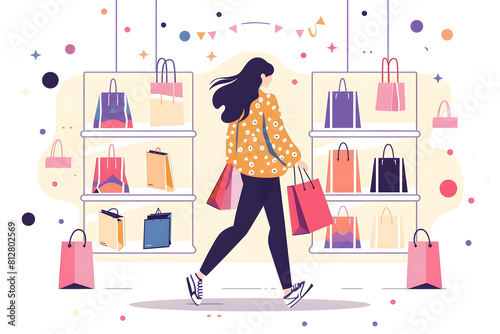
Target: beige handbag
[
  {"x": 111, "y": 229},
  {"x": 159, "y": 170},
  {"x": 387, "y": 231}
]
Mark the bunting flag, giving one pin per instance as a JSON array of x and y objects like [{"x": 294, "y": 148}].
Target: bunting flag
[
  {"x": 201, "y": 34},
  {"x": 320, "y": 21},
  {"x": 223, "y": 32},
  {"x": 233, "y": 28},
  {"x": 212, "y": 34},
  {"x": 277, "y": 28},
  {"x": 299, "y": 32},
  {"x": 288, "y": 31},
  {"x": 315, "y": 32}
]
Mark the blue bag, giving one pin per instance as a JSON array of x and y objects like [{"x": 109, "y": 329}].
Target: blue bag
[{"x": 157, "y": 230}]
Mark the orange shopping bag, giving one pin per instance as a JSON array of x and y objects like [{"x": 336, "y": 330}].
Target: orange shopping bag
[
  {"x": 343, "y": 171},
  {"x": 159, "y": 170}
]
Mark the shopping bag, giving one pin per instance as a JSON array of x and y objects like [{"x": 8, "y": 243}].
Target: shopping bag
[
  {"x": 387, "y": 231},
  {"x": 390, "y": 95},
  {"x": 159, "y": 170},
  {"x": 111, "y": 229},
  {"x": 113, "y": 110},
  {"x": 342, "y": 109},
  {"x": 109, "y": 174},
  {"x": 57, "y": 162},
  {"x": 77, "y": 264},
  {"x": 388, "y": 174},
  {"x": 309, "y": 210},
  {"x": 424, "y": 266},
  {"x": 157, "y": 230},
  {"x": 445, "y": 122},
  {"x": 343, "y": 171},
  {"x": 227, "y": 190},
  {"x": 167, "y": 106},
  {"x": 343, "y": 233}
]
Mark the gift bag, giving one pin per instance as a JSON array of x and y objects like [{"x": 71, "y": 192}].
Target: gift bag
[
  {"x": 309, "y": 210},
  {"x": 157, "y": 230},
  {"x": 343, "y": 171},
  {"x": 342, "y": 109},
  {"x": 109, "y": 174},
  {"x": 159, "y": 170},
  {"x": 77, "y": 264},
  {"x": 388, "y": 174},
  {"x": 343, "y": 233},
  {"x": 57, "y": 162},
  {"x": 445, "y": 122},
  {"x": 387, "y": 231},
  {"x": 390, "y": 95},
  {"x": 113, "y": 110},
  {"x": 424, "y": 267},
  {"x": 227, "y": 190},
  {"x": 111, "y": 229},
  {"x": 167, "y": 106}
]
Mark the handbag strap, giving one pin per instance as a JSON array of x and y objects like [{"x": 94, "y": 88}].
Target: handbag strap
[
  {"x": 302, "y": 178},
  {"x": 158, "y": 149},
  {"x": 340, "y": 84},
  {"x": 383, "y": 153},
  {"x": 447, "y": 107},
  {"x": 382, "y": 215},
  {"x": 53, "y": 150},
  {"x": 111, "y": 83},
  {"x": 415, "y": 237},
  {"x": 268, "y": 141},
  {"x": 114, "y": 209},
  {"x": 385, "y": 60},
  {"x": 338, "y": 151},
  {"x": 109, "y": 151},
  {"x": 165, "y": 67},
  {"x": 84, "y": 237},
  {"x": 347, "y": 212},
  {"x": 158, "y": 211}
]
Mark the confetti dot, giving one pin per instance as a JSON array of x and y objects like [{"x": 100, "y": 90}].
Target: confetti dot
[
  {"x": 42, "y": 131},
  {"x": 28, "y": 219},
  {"x": 450, "y": 152},
  {"x": 76, "y": 312},
  {"x": 304, "y": 323},
  {"x": 447, "y": 34},
  {"x": 393, "y": 302},
  {"x": 61, "y": 221},
  {"x": 375, "y": 323},
  {"x": 471, "y": 200},
  {"x": 70, "y": 49},
  {"x": 163, "y": 24},
  {"x": 122, "y": 318},
  {"x": 50, "y": 80},
  {"x": 364, "y": 13},
  {"x": 294, "y": 81},
  {"x": 448, "y": 188},
  {"x": 184, "y": 36},
  {"x": 488, "y": 181},
  {"x": 219, "y": 14},
  {"x": 104, "y": 11},
  {"x": 416, "y": 26},
  {"x": 468, "y": 242},
  {"x": 127, "y": 29},
  {"x": 303, "y": 55},
  {"x": 54, "y": 184}
]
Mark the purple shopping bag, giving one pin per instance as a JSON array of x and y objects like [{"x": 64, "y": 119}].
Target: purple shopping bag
[
  {"x": 113, "y": 110},
  {"x": 390, "y": 95},
  {"x": 342, "y": 109}
]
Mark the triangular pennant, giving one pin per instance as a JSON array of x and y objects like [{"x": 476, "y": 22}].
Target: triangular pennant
[
  {"x": 212, "y": 34},
  {"x": 233, "y": 28},
  {"x": 320, "y": 21},
  {"x": 299, "y": 32},
  {"x": 223, "y": 32},
  {"x": 288, "y": 31},
  {"x": 277, "y": 28},
  {"x": 201, "y": 34}
]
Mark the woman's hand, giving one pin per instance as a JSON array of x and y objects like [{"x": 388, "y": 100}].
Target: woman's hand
[{"x": 302, "y": 164}]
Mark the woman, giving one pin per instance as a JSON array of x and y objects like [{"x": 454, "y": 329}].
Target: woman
[{"x": 258, "y": 145}]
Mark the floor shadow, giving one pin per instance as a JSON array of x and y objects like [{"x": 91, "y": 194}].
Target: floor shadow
[{"x": 248, "y": 304}]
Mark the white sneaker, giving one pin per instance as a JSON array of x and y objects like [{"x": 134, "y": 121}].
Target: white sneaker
[
  {"x": 195, "y": 286},
  {"x": 298, "y": 291}
]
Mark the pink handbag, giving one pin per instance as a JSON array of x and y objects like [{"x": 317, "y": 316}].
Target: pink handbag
[
  {"x": 445, "y": 122},
  {"x": 227, "y": 190},
  {"x": 77, "y": 264},
  {"x": 57, "y": 162},
  {"x": 424, "y": 268},
  {"x": 390, "y": 95}
]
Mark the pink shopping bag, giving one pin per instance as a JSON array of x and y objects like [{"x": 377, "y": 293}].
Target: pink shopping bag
[
  {"x": 57, "y": 162},
  {"x": 424, "y": 268},
  {"x": 390, "y": 95},
  {"x": 447, "y": 121},
  {"x": 227, "y": 190},
  {"x": 77, "y": 264},
  {"x": 109, "y": 174}
]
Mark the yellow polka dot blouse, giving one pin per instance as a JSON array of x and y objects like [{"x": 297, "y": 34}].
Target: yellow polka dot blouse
[{"x": 247, "y": 141}]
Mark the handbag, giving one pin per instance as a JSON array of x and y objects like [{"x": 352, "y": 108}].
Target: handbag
[
  {"x": 111, "y": 229},
  {"x": 343, "y": 171},
  {"x": 390, "y": 95},
  {"x": 309, "y": 210},
  {"x": 343, "y": 233},
  {"x": 109, "y": 174},
  {"x": 387, "y": 233},
  {"x": 227, "y": 190},
  {"x": 389, "y": 174},
  {"x": 113, "y": 110},
  {"x": 157, "y": 230},
  {"x": 77, "y": 264},
  {"x": 159, "y": 170},
  {"x": 424, "y": 267},
  {"x": 167, "y": 106},
  {"x": 57, "y": 162},
  {"x": 445, "y": 122},
  {"x": 342, "y": 108}
]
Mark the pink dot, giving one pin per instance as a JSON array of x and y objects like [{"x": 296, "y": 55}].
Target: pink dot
[
  {"x": 393, "y": 302},
  {"x": 303, "y": 55},
  {"x": 450, "y": 152},
  {"x": 471, "y": 200},
  {"x": 54, "y": 184},
  {"x": 122, "y": 318},
  {"x": 294, "y": 82},
  {"x": 448, "y": 188},
  {"x": 70, "y": 49},
  {"x": 127, "y": 29}
]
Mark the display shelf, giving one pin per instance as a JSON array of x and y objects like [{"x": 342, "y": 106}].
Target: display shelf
[
  {"x": 136, "y": 247},
  {"x": 368, "y": 130},
  {"x": 142, "y": 195},
  {"x": 318, "y": 247},
  {"x": 141, "y": 130},
  {"x": 367, "y": 196}
]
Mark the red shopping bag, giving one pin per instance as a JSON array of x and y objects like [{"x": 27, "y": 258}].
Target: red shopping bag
[
  {"x": 227, "y": 190},
  {"x": 309, "y": 210},
  {"x": 424, "y": 268},
  {"x": 390, "y": 95},
  {"x": 109, "y": 174},
  {"x": 343, "y": 171},
  {"x": 77, "y": 264}
]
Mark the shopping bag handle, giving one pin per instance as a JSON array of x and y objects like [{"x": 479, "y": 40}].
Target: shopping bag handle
[
  {"x": 84, "y": 237},
  {"x": 158, "y": 211},
  {"x": 415, "y": 237},
  {"x": 382, "y": 215},
  {"x": 165, "y": 66},
  {"x": 447, "y": 107},
  {"x": 111, "y": 83},
  {"x": 340, "y": 84},
  {"x": 53, "y": 150},
  {"x": 303, "y": 184},
  {"x": 347, "y": 212},
  {"x": 385, "y": 60},
  {"x": 109, "y": 151},
  {"x": 338, "y": 151},
  {"x": 114, "y": 209}
]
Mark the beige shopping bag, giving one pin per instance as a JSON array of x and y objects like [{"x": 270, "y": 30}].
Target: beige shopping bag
[
  {"x": 387, "y": 231},
  {"x": 159, "y": 170},
  {"x": 111, "y": 229}
]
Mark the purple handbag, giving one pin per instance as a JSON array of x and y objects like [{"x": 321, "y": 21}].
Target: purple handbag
[{"x": 342, "y": 109}]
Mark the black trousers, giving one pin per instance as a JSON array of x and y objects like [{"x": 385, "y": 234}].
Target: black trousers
[{"x": 257, "y": 193}]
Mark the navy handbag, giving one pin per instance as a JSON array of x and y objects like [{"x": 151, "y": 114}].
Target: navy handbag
[
  {"x": 389, "y": 174},
  {"x": 158, "y": 230}
]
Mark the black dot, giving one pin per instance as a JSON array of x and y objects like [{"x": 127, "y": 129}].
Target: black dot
[
  {"x": 364, "y": 13},
  {"x": 219, "y": 14},
  {"x": 50, "y": 79},
  {"x": 28, "y": 219},
  {"x": 163, "y": 24}
]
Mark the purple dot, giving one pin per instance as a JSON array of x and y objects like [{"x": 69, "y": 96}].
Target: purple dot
[
  {"x": 375, "y": 323},
  {"x": 61, "y": 221},
  {"x": 364, "y": 13},
  {"x": 468, "y": 242},
  {"x": 163, "y": 24},
  {"x": 219, "y": 14},
  {"x": 304, "y": 323},
  {"x": 28, "y": 219},
  {"x": 42, "y": 131},
  {"x": 50, "y": 80},
  {"x": 416, "y": 26}
]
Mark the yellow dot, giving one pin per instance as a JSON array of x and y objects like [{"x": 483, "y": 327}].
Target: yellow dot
[
  {"x": 447, "y": 34},
  {"x": 473, "y": 154},
  {"x": 488, "y": 181},
  {"x": 76, "y": 312}
]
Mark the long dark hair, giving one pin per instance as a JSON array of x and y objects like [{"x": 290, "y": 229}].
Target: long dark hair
[{"x": 240, "y": 90}]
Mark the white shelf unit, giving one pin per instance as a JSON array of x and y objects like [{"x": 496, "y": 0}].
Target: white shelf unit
[{"x": 369, "y": 136}]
